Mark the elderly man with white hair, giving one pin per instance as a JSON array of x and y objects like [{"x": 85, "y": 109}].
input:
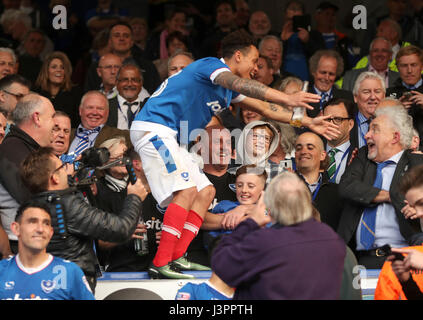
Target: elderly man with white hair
[
  {"x": 369, "y": 90},
  {"x": 296, "y": 258},
  {"x": 372, "y": 214}
]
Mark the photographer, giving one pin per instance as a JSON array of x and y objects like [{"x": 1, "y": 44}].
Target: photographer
[{"x": 47, "y": 177}]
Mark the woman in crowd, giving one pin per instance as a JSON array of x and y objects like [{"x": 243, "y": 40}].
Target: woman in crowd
[{"x": 54, "y": 82}]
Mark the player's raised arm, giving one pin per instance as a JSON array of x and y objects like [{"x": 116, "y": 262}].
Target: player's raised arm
[
  {"x": 254, "y": 89},
  {"x": 278, "y": 113}
]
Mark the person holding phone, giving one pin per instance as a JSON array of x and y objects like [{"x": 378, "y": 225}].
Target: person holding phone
[{"x": 295, "y": 34}]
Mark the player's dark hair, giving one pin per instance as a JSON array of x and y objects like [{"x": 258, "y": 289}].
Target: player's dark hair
[
  {"x": 31, "y": 204},
  {"x": 238, "y": 40}
]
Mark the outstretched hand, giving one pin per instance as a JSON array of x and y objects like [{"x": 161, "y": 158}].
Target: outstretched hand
[
  {"x": 322, "y": 127},
  {"x": 301, "y": 99}
]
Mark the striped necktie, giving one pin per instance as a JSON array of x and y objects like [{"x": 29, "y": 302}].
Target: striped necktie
[
  {"x": 129, "y": 114},
  {"x": 324, "y": 98},
  {"x": 84, "y": 140},
  {"x": 332, "y": 163},
  {"x": 368, "y": 223}
]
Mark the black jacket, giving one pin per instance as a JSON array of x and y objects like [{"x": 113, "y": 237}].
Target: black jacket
[
  {"x": 356, "y": 187},
  {"x": 16, "y": 146},
  {"x": 336, "y": 93},
  {"x": 85, "y": 223}
]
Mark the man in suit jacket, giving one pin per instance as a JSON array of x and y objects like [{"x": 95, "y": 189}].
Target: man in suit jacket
[
  {"x": 325, "y": 67},
  {"x": 129, "y": 100},
  {"x": 339, "y": 148},
  {"x": 310, "y": 156},
  {"x": 369, "y": 90},
  {"x": 379, "y": 58},
  {"x": 410, "y": 67},
  {"x": 94, "y": 111},
  {"x": 367, "y": 184}
]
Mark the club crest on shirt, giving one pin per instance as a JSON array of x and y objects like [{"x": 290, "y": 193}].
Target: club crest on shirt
[
  {"x": 185, "y": 176},
  {"x": 48, "y": 285},
  {"x": 183, "y": 296},
  {"x": 214, "y": 106},
  {"x": 9, "y": 285}
]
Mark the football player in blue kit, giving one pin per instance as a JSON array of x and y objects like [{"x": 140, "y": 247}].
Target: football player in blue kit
[
  {"x": 34, "y": 274},
  {"x": 183, "y": 103}
]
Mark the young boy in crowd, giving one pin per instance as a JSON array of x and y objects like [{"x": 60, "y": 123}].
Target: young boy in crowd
[{"x": 250, "y": 183}]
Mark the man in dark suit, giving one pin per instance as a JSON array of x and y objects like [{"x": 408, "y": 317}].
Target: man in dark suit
[
  {"x": 410, "y": 66},
  {"x": 325, "y": 67},
  {"x": 129, "y": 100},
  {"x": 339, "y": 148},
  {"x": 94, "y": 111},
  {"x": 372, "y": 214},
  {"x": 379, "y": 58},
  {"x": 369, "y": 90},
  {"x": 310, "y": 156}
]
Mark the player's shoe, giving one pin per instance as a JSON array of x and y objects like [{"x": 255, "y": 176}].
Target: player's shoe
[
  {"x": 184, "y": 264},
  {"x": 168, "y": 271}
]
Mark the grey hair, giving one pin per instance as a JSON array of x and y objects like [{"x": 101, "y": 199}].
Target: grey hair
[
  {"x": 284, "y": 83},
  {"x": 131, "y": 64},
  {"x": 400, "y": 121},
  {"x": 287, "y": 135},
  {"x": 26, "y": 107},
  {"x": 367, "y": 75},
  {"x": 10, "y": 51},
  {"x": 179, "y": 52},
  {"x": 268, "y": 37},
  {"x": 93, "y": 92},
  {"x": 380, "y": 38},
  {"x": 315, "y": 59},
  {"x": 11, "y": 15},
  {"x": 112, "y": 142},
  {"x": 288, "y": 199}
]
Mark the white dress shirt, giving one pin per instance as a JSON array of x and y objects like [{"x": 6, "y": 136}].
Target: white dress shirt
[
  {"x": 340, "y": 159},
  {"x": 387, "y": 228}
]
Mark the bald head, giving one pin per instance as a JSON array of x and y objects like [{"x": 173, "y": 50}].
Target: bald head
[
  {"x": 34, "y": 115},
  {"x": 108, "y": 67},
  {"x": 309, "y": 152}
]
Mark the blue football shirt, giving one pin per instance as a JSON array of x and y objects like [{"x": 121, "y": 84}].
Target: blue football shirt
[
  {"x": 202, "y": 291},
  {"x": 57, "y": 279},
  {"x": 190, "y": 96}
]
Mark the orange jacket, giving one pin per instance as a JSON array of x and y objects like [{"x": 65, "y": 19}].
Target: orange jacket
[{"x": 388, "y": 286}]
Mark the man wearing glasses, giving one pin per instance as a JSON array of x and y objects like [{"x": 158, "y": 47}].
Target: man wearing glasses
[
  {"x": 339, "y": 148},
  {"x": 107, "y": 70},
  {"x": 129, "y": 101},
  {"x": 12, "y": 88}
]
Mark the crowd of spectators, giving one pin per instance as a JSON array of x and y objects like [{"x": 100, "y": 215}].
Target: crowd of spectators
[{"x": 63, "y": 92}]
